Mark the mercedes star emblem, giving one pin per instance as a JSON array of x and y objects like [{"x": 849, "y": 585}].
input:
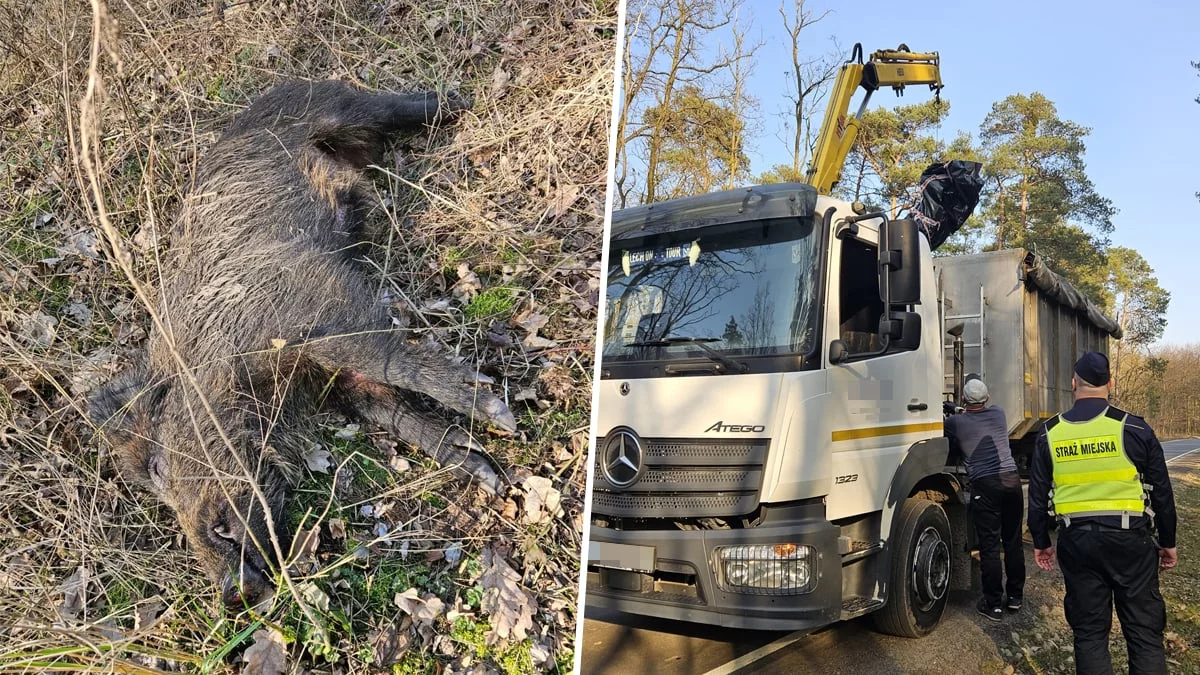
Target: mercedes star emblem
[
  {"x": 621, "y": 459},
  {"x": 624, "y": 388}
]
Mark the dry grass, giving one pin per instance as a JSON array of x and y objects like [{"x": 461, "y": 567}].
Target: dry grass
[{"x": 489, "y": 236}]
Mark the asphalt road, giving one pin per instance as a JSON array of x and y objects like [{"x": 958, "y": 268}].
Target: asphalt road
[
  {"x": 614, "y": 643},
  {"x": 1175, "y": 449}
]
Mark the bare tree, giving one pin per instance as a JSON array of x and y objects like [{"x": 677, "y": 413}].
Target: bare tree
[
  {"x": 741, "y": 66},
  {"x": 810, "y": 76},
  {"x": 758, "y": 323},
  {"x": 664, "y": 52}
]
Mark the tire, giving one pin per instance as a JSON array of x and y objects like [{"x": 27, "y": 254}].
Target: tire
[{"x": 921, "y": 571}]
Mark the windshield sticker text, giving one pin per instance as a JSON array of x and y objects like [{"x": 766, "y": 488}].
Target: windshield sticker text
[{"x": 690, "y": 252}]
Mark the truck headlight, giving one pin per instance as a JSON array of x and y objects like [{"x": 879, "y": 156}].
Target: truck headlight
[{"x": 767, "y": 569}]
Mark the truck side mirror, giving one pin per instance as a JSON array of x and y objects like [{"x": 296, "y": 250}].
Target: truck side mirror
[
  {"x": 900, "y": 260},
  {"x": 903, "y": 328},
  {"x": 838, "y": 352}
]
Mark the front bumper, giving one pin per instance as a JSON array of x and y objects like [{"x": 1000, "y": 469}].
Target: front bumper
[{"x": 684, "y": 586}]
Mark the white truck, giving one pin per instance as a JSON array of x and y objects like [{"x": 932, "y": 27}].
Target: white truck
[{"x": 770, "y": 451}]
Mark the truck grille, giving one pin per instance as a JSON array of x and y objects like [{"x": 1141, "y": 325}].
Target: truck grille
[{"x": 687, "y": 479}]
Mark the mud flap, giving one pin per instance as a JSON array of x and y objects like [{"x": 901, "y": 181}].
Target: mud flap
[{"x": 964, "y": 569}]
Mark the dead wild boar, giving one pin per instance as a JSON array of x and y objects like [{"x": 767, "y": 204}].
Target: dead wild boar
[{"x": 264, "y": 250}]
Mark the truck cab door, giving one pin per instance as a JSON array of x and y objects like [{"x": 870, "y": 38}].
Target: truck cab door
[{"x": 888, "y": 401}]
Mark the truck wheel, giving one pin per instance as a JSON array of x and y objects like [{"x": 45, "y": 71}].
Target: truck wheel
[{"x": 920, "y": 575}]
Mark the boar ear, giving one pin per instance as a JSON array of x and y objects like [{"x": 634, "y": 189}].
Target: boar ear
[{"x": 126, "y": 414}]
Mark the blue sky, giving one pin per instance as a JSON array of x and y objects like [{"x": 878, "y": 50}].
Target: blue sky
[{"x": 1123, "y": 70}]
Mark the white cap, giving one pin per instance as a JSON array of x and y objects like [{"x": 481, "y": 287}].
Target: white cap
[{"x": 975, "y": 391}]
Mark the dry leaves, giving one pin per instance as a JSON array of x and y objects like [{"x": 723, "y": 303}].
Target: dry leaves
[
  {"x": 500, "y": 79},
  {"x": 347, "y": 433},
  {"x": 564, "y": 196},
  {"x": 388, "y": 645},
  {"x": 38, "y": 330},
  {"x": 468, "y": 284},
  {"x": 314, "y": 596},
  {"x": 318, "y": 459},
  {"x": 305, "y": 544},
  {"x": 74, "y": 590},
  {"x": 266, "y": 656},
  {"x": 509, "y": 606},
  {"x": 542, "y": 501},
  {"x": 79, "y": 313},
  {"x": 337, "y": 528},
  {"x": 147, "y": 612},
  {"x": 82, "y": 243},
  {"x": 423, "y": 610},
  {"x": 533, "y": 322}
]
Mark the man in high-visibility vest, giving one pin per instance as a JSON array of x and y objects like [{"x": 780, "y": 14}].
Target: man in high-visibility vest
[{"x": 1091, "y": 470}]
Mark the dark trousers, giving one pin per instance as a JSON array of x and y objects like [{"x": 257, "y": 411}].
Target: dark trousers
[
  {"x": 1100, "y": 566},
  {"x": 997, "y": 509}
]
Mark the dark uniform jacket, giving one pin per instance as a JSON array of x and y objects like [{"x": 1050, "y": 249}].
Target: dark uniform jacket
[{"x": 1143, "y": 449}]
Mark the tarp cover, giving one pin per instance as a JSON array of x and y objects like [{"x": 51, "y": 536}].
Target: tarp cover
[
  {"x": 1036, "y": 272},
  {"x": 949, "y": 193}
]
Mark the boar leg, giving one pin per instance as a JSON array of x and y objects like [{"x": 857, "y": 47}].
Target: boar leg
[
  {"x": 451, "y": 447},
  {"x": 386, "y": 358},
  {"x": 355, "y": 132},
  {"x": 332, "y": 104}
]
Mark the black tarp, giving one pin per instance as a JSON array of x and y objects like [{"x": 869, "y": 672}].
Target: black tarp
[
  {"x": 949, "y": 193},
  {"x": 1037, "y": 273}
]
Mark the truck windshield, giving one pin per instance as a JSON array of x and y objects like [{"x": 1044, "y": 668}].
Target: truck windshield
[{"x": 742, "y": 290}]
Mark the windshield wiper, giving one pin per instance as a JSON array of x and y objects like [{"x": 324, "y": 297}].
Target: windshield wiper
[{"x": 729, "y": 363}]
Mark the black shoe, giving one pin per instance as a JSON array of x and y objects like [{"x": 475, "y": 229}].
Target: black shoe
[
  {"x": 1014, "y": 604},
  {"x": 992, "y": 613}
]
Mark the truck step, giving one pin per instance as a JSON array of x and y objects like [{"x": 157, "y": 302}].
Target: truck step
[
  {"x": 857, "y": 605},
  {"x": 857, "y": 550}
]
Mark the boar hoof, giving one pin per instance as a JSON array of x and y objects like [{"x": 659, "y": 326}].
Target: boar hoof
[
  {"x": 499, "y": 414},
  {"x": 481, "y": 471}
]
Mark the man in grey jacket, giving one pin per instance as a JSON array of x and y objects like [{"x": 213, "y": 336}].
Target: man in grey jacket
[{"x": 980, "y": 434}]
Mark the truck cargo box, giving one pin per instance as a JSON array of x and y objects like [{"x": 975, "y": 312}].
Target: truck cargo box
[{"x": 1024, "y": 327}]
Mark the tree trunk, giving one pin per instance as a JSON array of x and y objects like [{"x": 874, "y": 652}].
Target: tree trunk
[{"x": 654, "y": 142}]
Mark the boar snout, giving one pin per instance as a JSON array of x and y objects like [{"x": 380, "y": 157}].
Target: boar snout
[
  {"x": 247, "y": 589},
  {"x": 229, "y": 533}
]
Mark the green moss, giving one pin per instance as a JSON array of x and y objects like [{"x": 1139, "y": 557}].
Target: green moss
[
  {"x": 433, "y": 500},
  {"x": 415, "y": 664},
  {"x": 510, "y": 256},
  {"x": 57, "y": 293},
  {"x": 218, "y": 91},
  {"x": 390, "y": 578},
  {"x": 492, "y": 303},
  {"x": 27, "y": 244},
  {"x": 513, "y": 659},
  {"x": 471, "y": 635},
  {"x": 453, "y": 257},
  {"x": 565, "y": 661},
  {"x": 370, "y": 471}
]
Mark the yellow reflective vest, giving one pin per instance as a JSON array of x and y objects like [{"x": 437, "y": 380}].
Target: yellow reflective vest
[{"x": 1092, "y": 474}]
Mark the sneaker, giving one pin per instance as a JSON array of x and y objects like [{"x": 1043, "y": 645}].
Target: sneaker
[
  {"x": 1014, "y": 604},
  {"x": 992, "y": 613}
]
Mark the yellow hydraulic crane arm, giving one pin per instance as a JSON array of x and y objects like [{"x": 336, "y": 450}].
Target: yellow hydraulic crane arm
[{"x": 886, "y": 68}]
